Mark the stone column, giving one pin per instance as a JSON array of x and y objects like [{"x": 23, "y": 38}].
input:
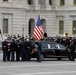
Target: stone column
[
  {"x": 37, "y": 6},
  {"x": 26, "y": 28},
  {"x": 67, "y": 4},
  {"x": 25, "y": 3},
  {"x": 48, "y": 6},
  {"x": 10, "y": 0},
  {"x": 0, "y": 0},
  {"x": 47, "y": 2}
]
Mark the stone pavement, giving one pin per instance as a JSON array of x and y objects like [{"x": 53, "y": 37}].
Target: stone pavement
[{"x": 46, "y": 67}]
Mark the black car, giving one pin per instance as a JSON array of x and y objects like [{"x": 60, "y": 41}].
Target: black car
[{"x": 53, "y": 50}]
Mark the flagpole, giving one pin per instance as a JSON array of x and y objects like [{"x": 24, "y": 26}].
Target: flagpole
[{"x": 39, "y": 13}]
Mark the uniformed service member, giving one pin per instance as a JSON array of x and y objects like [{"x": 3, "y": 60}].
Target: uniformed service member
[
  {"x": 72, "y": 47},
  {"x": 28, "y": 49},
  {"x": 8, "y": 49},
  {"x": 4, "y": 48},
  {"x": 18, "y": 50},
  {"x": 39, "y": 49},
  {"x": 13, "y": 48},
  {"x": 23, "y": 52}
]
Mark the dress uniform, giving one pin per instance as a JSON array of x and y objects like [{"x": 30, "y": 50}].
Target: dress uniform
[
  {"x": 8, "y": 49},
  {"x": 4, "y": 48},
  {"x": 72, "y": 47},
  {"x": 23, "y": 57},
  {"x": 39, "y": 49},
  {"x": 28, "y": 49},
  {"x": 18, "y": 50},
  {"x": 13, "y": 48}
]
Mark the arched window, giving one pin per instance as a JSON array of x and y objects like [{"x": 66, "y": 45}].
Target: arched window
[
  {"x": 44, "y": 24},
  {"x": 31, "y": 26}
]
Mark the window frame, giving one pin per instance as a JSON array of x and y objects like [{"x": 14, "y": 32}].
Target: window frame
[
  {"x": 74, "y": 2},
  {"x": 5, "y": 28},
  {"x": 61, "y": 27},
  {"x": 74, "y": 26}
]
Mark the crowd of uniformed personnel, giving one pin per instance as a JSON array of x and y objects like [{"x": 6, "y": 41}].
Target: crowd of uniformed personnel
[{"x": 19, "y": 48}]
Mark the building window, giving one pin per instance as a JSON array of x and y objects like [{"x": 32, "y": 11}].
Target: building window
[
  {"x": 5, "y": 26},
  {"x": 31, "y": 2},
  {"x": 50, "y": 2},
  {"x": 61, "y": 27},
  {"x": 74, "y": 27},
  {"x": 74, "y": 2},
  {"x": 5, "y": 0},
  {"x": 62, "y": 2}
]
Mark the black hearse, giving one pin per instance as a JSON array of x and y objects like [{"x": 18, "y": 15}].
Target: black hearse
[{"x": 53, "y": 50}]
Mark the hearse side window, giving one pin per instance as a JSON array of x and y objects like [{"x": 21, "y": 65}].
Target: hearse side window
[
  {"x": 61, "y": 46},
  {"x": 49, "y": 46},
  {"x": 58, "y": 47},
  {"x": 44, "y": 46},
  {"x": 53, "y": 46}
]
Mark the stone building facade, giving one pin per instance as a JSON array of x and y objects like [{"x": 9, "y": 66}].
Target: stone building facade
[{"x": 20, "y": 16}]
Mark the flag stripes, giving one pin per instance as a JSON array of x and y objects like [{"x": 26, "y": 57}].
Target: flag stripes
[{"x": 38, "y": 30}]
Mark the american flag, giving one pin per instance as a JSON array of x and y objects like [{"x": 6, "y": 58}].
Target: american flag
[{"x": 38, "y": 30}]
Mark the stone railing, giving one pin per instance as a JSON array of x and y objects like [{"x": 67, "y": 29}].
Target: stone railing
[
  {"x": 31, "y": 7},
  {"x": 42, "y": 7}
]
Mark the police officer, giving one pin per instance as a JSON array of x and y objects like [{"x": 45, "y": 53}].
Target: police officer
[
  {"x": 4, "y": 48},
  {"x": 28, "y": 49},
  {"x": 23, "y": 52},
  {"x": 72, "y": 47},
  {"x": 18, "y": 50},
  {"x": 8, "y": 49},
  {"x": 39, "y": 47},
  {"x": 13, "y": 48}
]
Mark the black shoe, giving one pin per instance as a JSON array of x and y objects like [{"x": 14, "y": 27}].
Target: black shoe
[
  {"x": 4, "y": 60},
  {"x": 38, "y": 61},
  {"x": 72, "y": 59}
]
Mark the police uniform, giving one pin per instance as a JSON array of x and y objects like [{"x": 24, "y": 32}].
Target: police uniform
[
  {"x": 72, "y": 47},
  {"x": 23, "y": 57},
  {"x": 39, "y": 51},
  {"x": 8, "y": 50},
  {"x": 18, "y": 50},
  {"x": 13, "y": 48},
  {"x": 4, "y": 48},
  {"x": 28, "y": 49}
]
